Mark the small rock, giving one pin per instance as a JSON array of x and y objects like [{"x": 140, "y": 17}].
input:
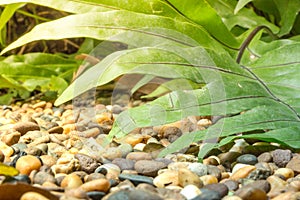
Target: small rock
[
  {"x": 33, "y": 196},
  {"x": 242, "y": 172},
  {"x": 198, "y": 168},
  {"x": 112, "y": 153},
  {"x": 261, "y": 184},
  {"x": 288, "y": 196},
  {"x": 48, "y": 160},
  {"x": 233, "y": 197},
  {"x": 24, "y": 127},
  {"x": 95, "y": 195},
  {"x": 190, "y": 191},
  {"x": 111, "y": 171},
  {"x": 71, "y": 181},
  {"x": 87, "y": 163},
  {"x": 123, "y": 163},
  {"x": 93, "y": 132},
  {"x": 265, "y": 157},
  {"x": 286, "y": 172},
  {"x": 125, "y": 149},
  {"x": 11, "y": 138},
  {"x": 66, "y": 164},
  {"x": 28, "y": 163},
  {"x": 169, "y": 177},
  {"x": 101, "y": 185},
  {"x": 277, "y": 185},
  {"x": 214, "y": 171},
  {"x": 139, "y": 156},
  {"x": 208, "y": 179},
  {"x": 132, "y": 194},
  {"x": 187, "y": 177},
  {"x": 294, "y": 164},
  {"x": 93, "y": 176},
  {"x": 281, "y": 157},
  {"x": 228, "y": 157},
  {"x": 221, "y": 188},
  {"x": 136, "y": 179},
  {"x": 207, "y": 195},
  {"x": 148, "y": 167},
  {"x": 42, "y": 177},
  {"x": 231, "y": 184},
  {"x": 251, "y": 193},
  {"x": 247, "y": 159},
  {"x": 56, "y": 129}
]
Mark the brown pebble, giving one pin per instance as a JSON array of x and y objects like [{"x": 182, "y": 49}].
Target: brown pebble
[
  {"x": 261, "y": 184},
  {"x": 288, "y": 196},
  {"x": 250, "y": 193},
  {"x": 231, "y": 184},
  {"x": 48, "y": 160},
  {"x": 221, "y": 188},
  {"x": 33, "y": 196},
  {"x": 102, "y": 185},
  {"x": 234, "y": 197},
  {"x": 187, "y": 177},
  {"x": 56, "y": 129},
  {"x": 40, "y": 104},
  {"x": 71, "y": 181},
  {"x": 169, "y": 177},
  {"x": 294, "y": 164},
  {"x": 242, "y": 172},
  {"x": 24, "y": 127},
  {"x": 28, "y": 163},
  {"x": 11, "y": 138},
  {"x": 286, "y": 172},
  {"x": 148, "y": 167},
  {"x": 139, "y": 156},
  {"x": 208, "y": 179}
]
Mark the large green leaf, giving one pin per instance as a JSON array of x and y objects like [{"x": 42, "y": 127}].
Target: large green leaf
[{"x": 99, "y": 25}]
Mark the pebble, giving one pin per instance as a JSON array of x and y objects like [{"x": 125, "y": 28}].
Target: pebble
[
  {"x": 101, "y": 185},
  {"x": 265, "y": 157},
  {"x": 286, "y": 172},
  {"x": 208, "y": 179},
  {"x": 228, "y": 157},
  {"x": 242, "y": 172},
  {"x": 190, "y": 191},
  {"x": 215, "y": 171},
  {"x": 169, "y": 177},
  {"x": 148, "y": 167},
  {"x": 261, "y": 184},
  {"x": 56, "y": 129},
  {"x": 139, "y": 156},
  {"x": 112, "y": 153},
  {"x": 11, "y": 138},
  {"x": 67, "y": 163},
  {"x": 86, "y": 163},
  {"x": 281, "y": 157},
  {"x": 207, "y": 195},
  {"x": 198, "y": 168},
  {"x": 132, "y": 194},
  {"x": 233, "y": 197},
  {"x": 125, "y": 149},
  {"x": 187, "y": 177},
  {"x": 26, "y": 164},
  {"x": 136, "y": 179},
  {"x": 288, "y": 196},
  {"x": 251, "y": 193},
  {"x": 24, "y": 127},
  {"x": 41, "y": 177},
  {"x": 48, "y": 160},
  {"x": 124, "y": 164},
  {"x": 111, "y": 171},
  {"x": 294, "y": 164},
  {"x": 33, "y": 196},
  {"x": 221, "y": 188},
  {"x": 231, "y": 184},
  {"x": 247, "y": 159},
  {"x": 71, "y": 181}
]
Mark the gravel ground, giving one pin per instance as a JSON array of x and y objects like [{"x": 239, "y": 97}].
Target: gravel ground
[{"x": 58, "y": 153}]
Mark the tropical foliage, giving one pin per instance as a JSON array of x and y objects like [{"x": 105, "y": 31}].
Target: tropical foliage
[{"x": 235, "y": 59}]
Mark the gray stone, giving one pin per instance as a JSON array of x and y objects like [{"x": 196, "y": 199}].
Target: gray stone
[
  {"x": 198, "y": 168},
  {"x": 281, "y": 157},
  {"x": 148, "y": 167},
  {"x": 247, "y": 159},
  {"x": 136, "y": 179},
  {"x": 124, "y": 164},
  {"x": 208, "y": 195},
  {"x": 87, "y": 163}
]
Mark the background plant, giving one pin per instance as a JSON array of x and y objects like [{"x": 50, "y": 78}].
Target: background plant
[{"x": 203, "y": 37}]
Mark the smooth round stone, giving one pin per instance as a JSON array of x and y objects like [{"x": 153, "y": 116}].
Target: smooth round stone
[
  {"x": 124, "y": 164},
  {"x": 221, "y": 188},
  {"x": 169, "y": 177},
  {"x": 231, "y": 184},
  {"x": 208, "y": 179},
  {"x": 136, "y": 179},
  {"x": 265, "y": 157},
  {"x": 33, "y": 151},
  {"x": 177, "y": 165},
  {"x": 42, "y": 177},
  {"x": 56, "y": 129},
  {"x": 207, "y": 195},
  {"x": 228, "y": 157},
  {"x": 234, "y": 197},
  {"x": 172, "y": 192},
  {"x": 86, "y": 163},
  {"x": 277, "y": 185},
  {"x": 110, "y": 170},
  {"x": 33, "y": 196},
  {"x": 101, "y": 185},
  {"x": 90, "y": 133},
  {"x": 139, "y": 156},
  {"x": 250, "y": 193},
  {"x": 133, "y": 139},
  {"x": 28, "y": 163},
  {"x": 286, "y": 172},
  {"x": 198, "y": 168},
  {"x": 294, "y": 164},
  {"x": 95, "y": 195},
  {"x": 24, "y": 127},
  {"x": 93, "y": 176},
  {"x": 212, "y": 160},
  {"x": 214, "y": 171},
  {"x": 187, "y": 177},
  {"x": 242, "y": 172},
  {"x": 6, "y": 150},
  {"x": 125, "y": 149},
  {"x": 247, "y": 159},
  {"x": 190, "y": 191},
  {"x": 71, "y": 181},
  {"x": 261, "y": 184},
  {"x": 281, "y": 157},
  {"x": 133, "y": 194},
  {"x": 112, "y": 153},
  {"x": 148, "y": 167}
]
